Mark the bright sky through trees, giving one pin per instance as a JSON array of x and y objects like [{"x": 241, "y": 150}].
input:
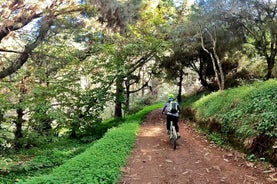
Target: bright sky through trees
[{"x": 179, "y": 2}]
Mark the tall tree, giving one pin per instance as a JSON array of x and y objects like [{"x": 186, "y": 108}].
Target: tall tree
[
  {"x": 212, "y": 51},
  {"x": 47, "y": 46},
  {"x": 258, "y": 18},
  {"x": 214, "y": 30},
  {"x": 137, "y": 49}
]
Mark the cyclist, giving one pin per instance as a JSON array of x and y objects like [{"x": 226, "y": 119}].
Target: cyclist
[{"x": 171, "y": 115}]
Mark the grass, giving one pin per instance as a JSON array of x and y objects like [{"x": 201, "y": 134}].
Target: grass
[
  {"x": 246, "y": 116},
  {"x": 247, "y": 110},
  {"x": 102, "y": 160},
  {"x": 37, "y": 161}
]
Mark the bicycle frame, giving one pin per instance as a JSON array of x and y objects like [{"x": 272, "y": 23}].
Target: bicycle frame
[{"x": 173, "y": 135}]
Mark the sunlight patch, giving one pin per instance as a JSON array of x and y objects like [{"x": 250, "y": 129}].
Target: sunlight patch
[{"x": 153, "y": 131}]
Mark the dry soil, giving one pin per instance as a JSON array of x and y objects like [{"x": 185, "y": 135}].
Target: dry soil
[{"x": 195, "y": 161}]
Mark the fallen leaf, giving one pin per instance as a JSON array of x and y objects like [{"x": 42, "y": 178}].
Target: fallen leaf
[
  {"x": 252, "y": 178},
  {"x": 250, "y": 164},
  {"x": 226, "y": 160},
  {"x": 217, "y": 168},
  {"x": 273, "y": 177},
  {"x": 229, "y": 155},
  {"x": 269, "y": 171},
  {"x": 186, "y": 172},
  {"x": 197, "y": 162},
  {"x": 125, "y": 170}
]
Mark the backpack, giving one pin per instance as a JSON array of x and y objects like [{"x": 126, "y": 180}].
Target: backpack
[{"x": 173, "y": 107}]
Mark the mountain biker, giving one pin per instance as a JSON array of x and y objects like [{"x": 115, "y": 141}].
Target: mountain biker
[{"x": 171, "y": 116}]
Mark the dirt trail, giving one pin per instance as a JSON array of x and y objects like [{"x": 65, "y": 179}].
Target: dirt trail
[{"x": 195, "y": 161}]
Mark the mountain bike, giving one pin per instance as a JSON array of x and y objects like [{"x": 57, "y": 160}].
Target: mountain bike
[{"x": 173, "y": 135}]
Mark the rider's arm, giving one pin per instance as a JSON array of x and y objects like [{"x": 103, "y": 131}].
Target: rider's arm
[{"x": 164, "y": 108}]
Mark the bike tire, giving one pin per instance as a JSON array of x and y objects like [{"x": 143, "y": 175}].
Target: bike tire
[
  {"x": 174, "y": 144},
  {"x": 174, "y": 138}
]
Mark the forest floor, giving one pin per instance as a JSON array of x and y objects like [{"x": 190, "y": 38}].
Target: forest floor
[{"x": 195, "y": 161}]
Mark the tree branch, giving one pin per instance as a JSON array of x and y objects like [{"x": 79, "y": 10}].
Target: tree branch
[
  {"x": 143, "y": 86},
  {"x": 19, "y": 21},
  {"x": 11, "y": 51},
  {"x": 46, "y": 23}
]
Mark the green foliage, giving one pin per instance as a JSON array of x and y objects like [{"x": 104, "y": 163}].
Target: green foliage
[
  {"x": 37, "y": 161},
  {"x": 139, "y": 116},
  {"x": 141, "y": 102},
  {"x": 187, "y": 101},
  {"x": 244, "y": 116},
  {"x": 251, "y": 157},
  {"x": 247, "y": 110},
  {"x": 216, "y": 138},
  {"x": 102, "y": 161}
]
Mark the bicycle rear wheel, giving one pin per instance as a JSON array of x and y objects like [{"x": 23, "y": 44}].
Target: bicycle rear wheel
[
  {"x": 174, "y": 138},
  {"x": 174, "y": 143}
]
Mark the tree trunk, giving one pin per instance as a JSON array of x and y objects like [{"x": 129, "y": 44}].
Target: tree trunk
[
  {"x": 270, "y": 66},
  {"x": 179, "y": 97},
  {"x": 142, "y": 78},
  {"x": 202, "y": 76},
  {"x": 215, "y": 70},
  {"x": 18, "y": 129},
  {"x": 118, "y": 98},
  {"x": 215, "y": 59},
  {"x": 18, "y": 135},
  {"x": 127, "y": 96},
  {"x": 222, "y": 78}
]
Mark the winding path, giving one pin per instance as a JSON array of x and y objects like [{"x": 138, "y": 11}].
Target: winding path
[{"x": 195, "y": 161}]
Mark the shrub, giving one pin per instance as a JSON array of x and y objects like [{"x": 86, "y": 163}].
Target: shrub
[
  {"x": 141, "y": 102},
  {"x": 37, "y": 161},
  {"x": 102, "y": 161}
]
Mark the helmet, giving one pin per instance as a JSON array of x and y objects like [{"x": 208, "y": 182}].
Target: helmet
[{"x": 171, "y": 97}]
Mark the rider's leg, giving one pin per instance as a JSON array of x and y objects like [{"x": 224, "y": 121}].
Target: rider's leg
[
  {"x": 175, "y": 121},
  {"x": 168, "y": 119}
]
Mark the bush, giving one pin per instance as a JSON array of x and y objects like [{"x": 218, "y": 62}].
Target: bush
[
  {"x": 37, "y": 161},
  {"x": 141, "y": 102},
  {"x": 102, "y": 161}
]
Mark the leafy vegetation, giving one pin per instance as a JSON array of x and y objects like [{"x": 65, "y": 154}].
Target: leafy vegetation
[
  {"x": 250, "y": 106},
  {"x": 216, "y": 138},
  {"x": 39, "y": 160},
  {"x": 98, "y": 162},
  {"x": 43, "y": 158},
  {"x": 64, "y": 62},
  {"x": 247, "y": 113},
  {"x": 77, "y": 57}
]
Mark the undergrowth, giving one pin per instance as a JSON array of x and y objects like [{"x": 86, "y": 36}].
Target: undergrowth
[
  {"x": 102, "y": 160},
  {"x": 37, "y": 161},
  {"x": 247, "y": 110},
  {"x": 245, "y": 116}
]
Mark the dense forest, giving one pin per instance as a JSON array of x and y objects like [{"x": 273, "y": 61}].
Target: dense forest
[{"x": 67, "y": 65}]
